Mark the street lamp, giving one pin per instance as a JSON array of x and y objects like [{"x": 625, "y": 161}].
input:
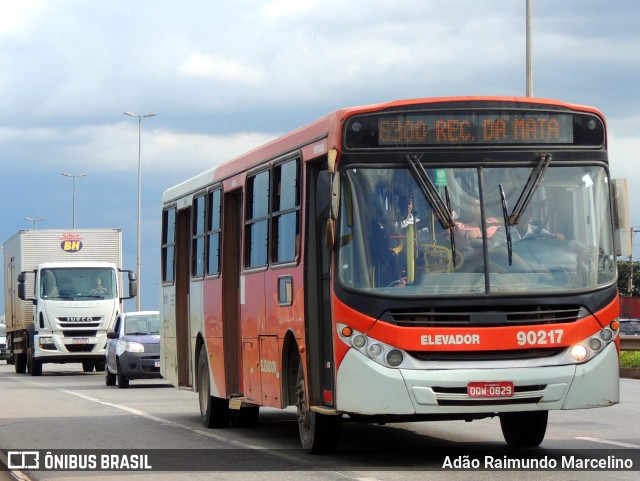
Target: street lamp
[
  {"x": 29, "y": 219},
  {"x": 139, "y": 117},
  {"x": 73, "y": 198}
]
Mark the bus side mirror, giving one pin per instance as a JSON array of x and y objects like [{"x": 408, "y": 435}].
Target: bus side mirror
[
  {"x": 621, "y": 218},
  {"x": 323, "y": 195},
  {"x": 328, "y": 203}
]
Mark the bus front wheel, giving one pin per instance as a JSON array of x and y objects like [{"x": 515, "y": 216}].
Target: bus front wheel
[
  {"x": 214, "y": 411},
  {"x": 319, "y": 433},
  {"x": 524, "y": 429}
]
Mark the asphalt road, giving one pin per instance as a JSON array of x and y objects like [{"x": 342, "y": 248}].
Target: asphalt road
[{"x": 74, "y": 416}]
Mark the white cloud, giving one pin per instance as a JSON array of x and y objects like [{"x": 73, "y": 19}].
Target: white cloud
[{"x": 218, "y": 68}]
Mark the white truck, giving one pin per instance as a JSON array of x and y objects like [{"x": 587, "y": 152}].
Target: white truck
[{"x": 63, "y": 291}]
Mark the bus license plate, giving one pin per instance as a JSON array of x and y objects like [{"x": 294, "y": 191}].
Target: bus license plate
[
  {"x": 490, "y": 389},
  {"x": 80, "y": 340}
]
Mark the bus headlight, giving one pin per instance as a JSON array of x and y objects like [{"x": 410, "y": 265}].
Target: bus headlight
[
  {"x": 394, "y": 358},
  {"x": 381, "y": 353},
  {"x": 579, "y": 352},
  {"x": 591, "y": 346}
]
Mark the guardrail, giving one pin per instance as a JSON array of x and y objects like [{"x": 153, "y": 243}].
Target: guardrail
[{"x": 629, "y": 343}]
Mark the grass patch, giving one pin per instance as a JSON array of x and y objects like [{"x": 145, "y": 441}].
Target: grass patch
[{"x": 629, "y": 358}]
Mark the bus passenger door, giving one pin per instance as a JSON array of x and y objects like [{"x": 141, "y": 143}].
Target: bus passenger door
[
  {"x": 231, "y": 259},
  {"x": 183, "y": 244}
]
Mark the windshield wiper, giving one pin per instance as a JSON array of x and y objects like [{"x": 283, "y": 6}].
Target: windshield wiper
[
  {"x": 535, "y": 177},
  {"x": 507, "y": 226},
  {"x": 430, "y": 192}
]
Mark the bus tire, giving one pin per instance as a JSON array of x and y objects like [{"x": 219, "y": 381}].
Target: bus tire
[
  {"x": 20, "y": 365},
  {"x": 319, "y": 433},
  {"x": 524, "y": 429},
  {"x": 245, "y": 417},
  {"x": 214, "y": 411}
]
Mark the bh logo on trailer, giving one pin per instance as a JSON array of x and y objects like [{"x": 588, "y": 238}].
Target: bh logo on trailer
[{"x": 71, "y": 242}]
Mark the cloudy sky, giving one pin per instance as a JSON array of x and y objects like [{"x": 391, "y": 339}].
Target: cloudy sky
[{"x": 226, "y": 76}]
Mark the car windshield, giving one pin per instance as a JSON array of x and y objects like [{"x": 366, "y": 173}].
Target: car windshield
[
  {"x": 3, "y": 330},
  {"x": 142, "y": 324},
  {"x": 393, "y": 233}
]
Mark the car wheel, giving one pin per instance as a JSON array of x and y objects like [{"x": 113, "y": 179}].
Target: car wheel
[
  {"x": 100, "y": 366},
  {"x": 109, "y": 378},
  {"x": 123, "y": 382},
  {"x": 87, "y": 366}
]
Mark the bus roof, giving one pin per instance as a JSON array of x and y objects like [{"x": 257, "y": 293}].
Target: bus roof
[{"x": 328, "y": 128}]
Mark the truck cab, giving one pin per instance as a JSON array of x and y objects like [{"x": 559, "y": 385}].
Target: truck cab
[{"x": 74, "y": 305}]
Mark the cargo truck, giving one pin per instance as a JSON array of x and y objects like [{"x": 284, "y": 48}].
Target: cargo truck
[{"x": 63, "y": 291}]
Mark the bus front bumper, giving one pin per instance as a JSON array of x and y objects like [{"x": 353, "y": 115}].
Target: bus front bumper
[{"x": 365, "y": 387}]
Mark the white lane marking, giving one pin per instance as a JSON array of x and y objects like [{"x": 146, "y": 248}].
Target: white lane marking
[
  {"x": 606, "y": 441},
  {"x": 136, "y": 412}
]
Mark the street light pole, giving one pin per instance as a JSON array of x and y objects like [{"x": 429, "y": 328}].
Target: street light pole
[
  {"x": 73, "y": 195},
  {"x": 29, "y": 219},
  {"x": 632, "y": 231},
  {"x": 528, "y": 55},
  {"x": 139, "y": 117}
]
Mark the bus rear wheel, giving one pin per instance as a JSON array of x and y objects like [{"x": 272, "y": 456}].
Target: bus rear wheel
[
  {"x": 214, "y": 411},
  {"x": 319, "y": 433},
  {"x": 524, "y": 429}
]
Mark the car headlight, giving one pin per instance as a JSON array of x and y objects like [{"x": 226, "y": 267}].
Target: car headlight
[
  {"x": 128, "y": 346},
  {"x": 134, "y": 347}
]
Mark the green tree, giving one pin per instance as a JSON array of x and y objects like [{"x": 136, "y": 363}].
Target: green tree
[{"x": 623, "y": 277}]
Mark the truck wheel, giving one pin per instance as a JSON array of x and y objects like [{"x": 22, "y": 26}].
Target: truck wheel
[
  {"x": 524, "y": 429},
  {"x": 123, "y": 382},
  {"x": 319, "y": 433},
  {"x": 214, "y": 411},
  {"x": 109, "y": 379},
  {"x": 20, "y": 364},
  {"x": 87, "y": 366},
  {"x": 35, "y": 366}
]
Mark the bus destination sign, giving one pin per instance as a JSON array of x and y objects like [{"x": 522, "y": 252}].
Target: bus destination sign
[{"x": 473, "y": 128}]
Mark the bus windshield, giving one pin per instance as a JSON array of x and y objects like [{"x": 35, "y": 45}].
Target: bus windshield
[{"x": 393, "y": 239}]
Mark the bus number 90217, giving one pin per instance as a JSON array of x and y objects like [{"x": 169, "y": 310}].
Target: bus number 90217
[{"x": 536, "y": 338}]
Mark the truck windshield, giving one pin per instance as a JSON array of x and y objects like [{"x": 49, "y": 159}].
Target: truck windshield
[
  {"x": 78, "y": 283},
  {"x": 391, "y": 241}
]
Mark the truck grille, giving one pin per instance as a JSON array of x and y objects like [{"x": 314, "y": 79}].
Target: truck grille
[{"x": 70, "y": 322}]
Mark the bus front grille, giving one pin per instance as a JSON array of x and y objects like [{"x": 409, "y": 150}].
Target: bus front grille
[{"x": 478, "y": 317}]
